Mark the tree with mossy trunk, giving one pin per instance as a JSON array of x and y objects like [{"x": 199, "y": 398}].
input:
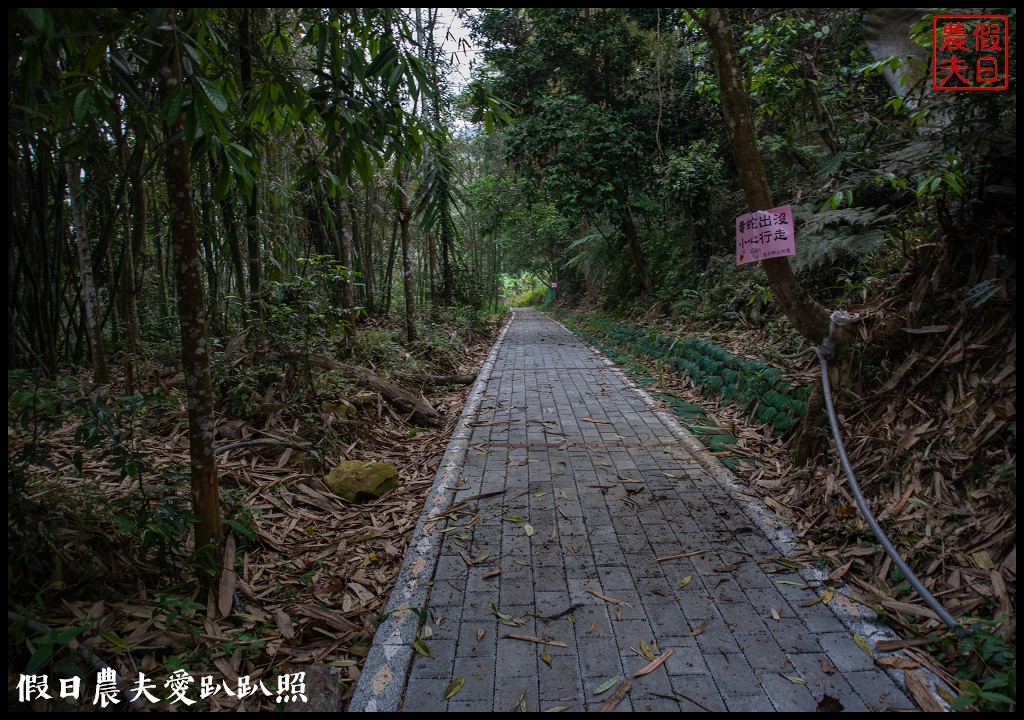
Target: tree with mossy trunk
[
  {"x": 809, "y": 317},
  {"x": 195, "y": 357}
]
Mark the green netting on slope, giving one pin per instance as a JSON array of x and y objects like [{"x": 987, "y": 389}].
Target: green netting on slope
[
  {"x": 716, "y": 439},
  {"x": 713, "y": 370}
]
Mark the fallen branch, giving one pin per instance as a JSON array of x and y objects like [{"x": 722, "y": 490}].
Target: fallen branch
[
  {"x": 533, "y": 639},
  {"x": 418, "y": 409},
  {"x": 255, "y": 443},
  {"x": 654, "y": 665},
  {"x": 438, "y": 379},
  {"x": 679, "y": 557},
  {"x": 595, "y": 593},
  {"x": 620, "y": 692}
]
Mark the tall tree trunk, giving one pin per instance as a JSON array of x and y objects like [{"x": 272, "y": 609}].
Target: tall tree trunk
[
  {"x": 407, "y": 276},
  {"x": 227, "y": 211},
  {"x": 348, "y": 297},
  {"x": 128, "y": 286},
  {"x": 194, "y": 355},
  {"x": 367, "y": 253},
  {"x": 432, "y": 268},
  {"x": 210, "y": 260},
  {"x": 808, "y": 316},
  {"x": 163, "y": 293},
  {"x": 636, "y": 252},
  {"x": 389, "y": 272},
  {"x": 89, "y": 301},
  {"x": 447, "y": 274},
  {"x": 252, "y": 220}
]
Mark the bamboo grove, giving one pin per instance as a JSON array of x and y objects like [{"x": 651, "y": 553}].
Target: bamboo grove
[{"x": 313, "y": 136}]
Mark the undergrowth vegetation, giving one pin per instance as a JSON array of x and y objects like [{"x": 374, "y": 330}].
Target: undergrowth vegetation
[{"x": 100, "y": 521}]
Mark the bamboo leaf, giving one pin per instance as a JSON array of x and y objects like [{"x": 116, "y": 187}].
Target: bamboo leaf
[
  {"x": 607, "y": 685},
  {"x": 701, "y": 628},
  {"x": 898, "y": 662},
  {"x": 863, "y": 645},
  {"x": 685, "y": 581},
  {"x": 453, "y": 687},
  {"x": 646, "y": 651},
  {"x": 421, "y": 647},
  {"x": 654, "y": 665},
  {"x": 213, "y": 94},
  {"x": 794, "y": 679}
]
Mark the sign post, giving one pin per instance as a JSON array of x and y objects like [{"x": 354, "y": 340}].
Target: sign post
[{"x": 765, "y": 234}]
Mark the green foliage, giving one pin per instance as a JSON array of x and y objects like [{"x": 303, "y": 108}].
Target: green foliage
[
  {"x": 984, "y": 662},
  {"x": 113, "y": 429},
  {"x": 308, "y": 307},
  {"x": 831, "y": 237},
  {"x": 711, "y": 369},
  {"x": 36, "y": 408},
  {"x": 532, "y": 297}
]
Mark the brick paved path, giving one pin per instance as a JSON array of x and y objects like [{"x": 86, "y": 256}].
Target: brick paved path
[{"x": 575, "y": 488}]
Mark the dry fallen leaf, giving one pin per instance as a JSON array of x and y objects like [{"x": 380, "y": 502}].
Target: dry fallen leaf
[
  {"x": 898, "y": 662},
  {"x": 646, "y": 651},
  {"x": 521, "y": 705},
  {"x": 284, "y": 624},
  {"x": 919, "y": 690},
  {"x": 863, "y": 645},
  {"x": 839, "y": 572},
  {"x": 775, "y": 615},
  {"x": 616, "y": 697},
  {"x": 546, "y": 657},
  {"x": 700, "y": 628},
  {"x": 480, "y": 632},
  {"x": 654, "y": 665}
]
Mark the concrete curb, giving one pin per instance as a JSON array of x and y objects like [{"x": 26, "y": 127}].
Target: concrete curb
[
  {"x": 849, "y": 613},
  {"x": 382, "y": 682}
]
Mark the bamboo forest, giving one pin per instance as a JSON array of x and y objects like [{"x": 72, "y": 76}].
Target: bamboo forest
[{"x": 511, "y": 359}]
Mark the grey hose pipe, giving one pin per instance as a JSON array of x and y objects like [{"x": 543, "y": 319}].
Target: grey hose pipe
[{"x": 825, "y": 351}]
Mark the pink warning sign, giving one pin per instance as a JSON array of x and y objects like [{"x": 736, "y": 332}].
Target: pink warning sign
[{"x": 765, "y": 234}]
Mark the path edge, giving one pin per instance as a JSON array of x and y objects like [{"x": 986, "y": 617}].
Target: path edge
[
  {"x": 776, "y": 530},
  {"x": 381, "y": 686}
]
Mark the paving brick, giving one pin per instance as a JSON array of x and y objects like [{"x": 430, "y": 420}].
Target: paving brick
[{"x": 592, "y": 532}]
